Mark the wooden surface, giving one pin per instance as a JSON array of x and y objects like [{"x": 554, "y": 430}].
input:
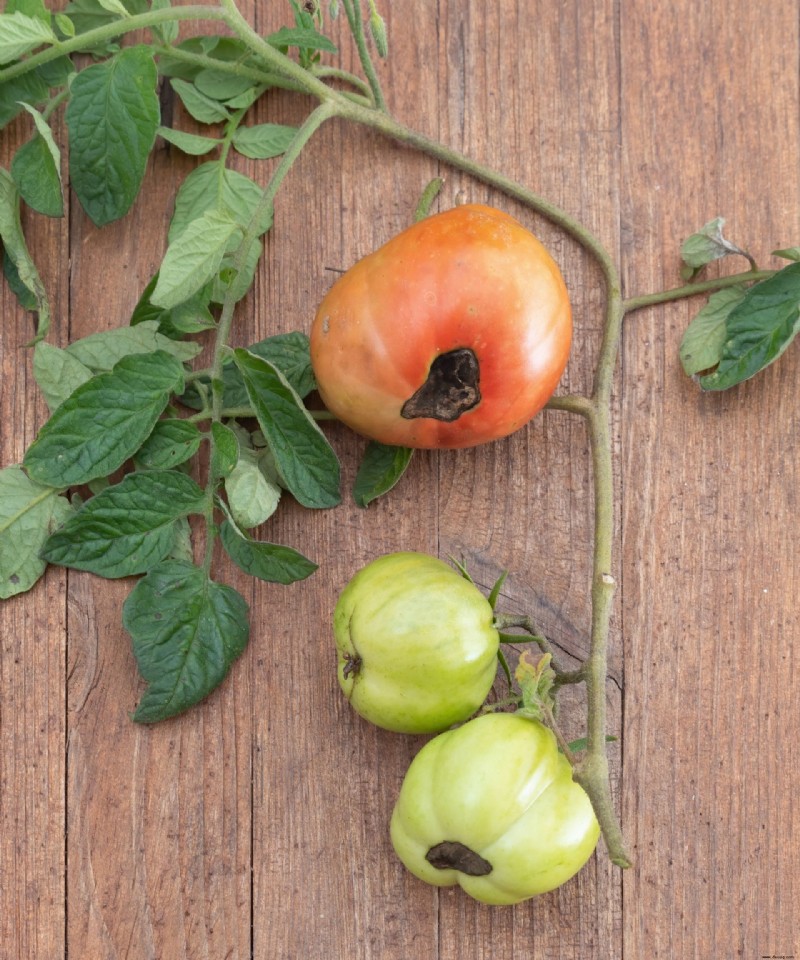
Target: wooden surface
[{"x": 256, "y": 825}]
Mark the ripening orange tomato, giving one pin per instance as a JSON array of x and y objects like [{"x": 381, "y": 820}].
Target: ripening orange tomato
[{"x": 455, "y": 332}]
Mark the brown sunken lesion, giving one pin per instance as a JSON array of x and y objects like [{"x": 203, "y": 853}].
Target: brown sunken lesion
[
  {"x": 452, "y": 855},
  {"x": 452, "y": 388}
]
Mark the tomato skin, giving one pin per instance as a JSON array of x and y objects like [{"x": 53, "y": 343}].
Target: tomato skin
[
  {"x": 417, "y": 648},
  {"x": 471, "y": 277},
  {"x": 499, "y": 786}
]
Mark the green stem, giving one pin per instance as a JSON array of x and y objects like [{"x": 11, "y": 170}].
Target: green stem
[
  {"x": 352, "y": 10},
  {"x": 335, "y": 73},
  {"x": 695, "y": 289},
  {"x": 504, "y": 621},
  {"x": 109, "y": 31},
  {"x": 201, "y": 60}
]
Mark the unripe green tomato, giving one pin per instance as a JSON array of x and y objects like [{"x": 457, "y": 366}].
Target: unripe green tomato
[
  {"x": 416, "y": 644},
  {"x": 492, "y": 806}
]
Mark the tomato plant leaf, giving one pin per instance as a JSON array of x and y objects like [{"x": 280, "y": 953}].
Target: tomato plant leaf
[
  {"x": 198, "y": 105},
  {"x": 193, "y": 259},
  {"x": 272, "y": 562},
  {"x": 212, "y": 186},
  {"x": 189, "y": 143},
  {"x": 224, "y": 450},
  {"x": 101, "y": 351},
  {"x": 19, "y": 34},
  {"x": 112, "y": 118},
  {"x": 789, "y": 253},
  {"x": 289, "y": 352},
  {"x": 303, "y": 456},
  {"x": 263, "y": 140},
  {"x": 221, "y": 85},
  {"x": 191, "y": 316},
  {"x": 57, "y": 373},
  {"x": 186, "y": 630},
  {"x": 707, "y": 245},
  {"x": 105, "y": 421},
  {"x": 128, "y": 527},
  {"x": 252, "y": 497},
  {"x": 36, "y": 169},
  {"x": 29, "y": 512},
  {"x": 16, "y": 250},
  {"x": 758, "y": 329},
  {"x": 172, "y": 442},
  {"x": 702, "y": 343},
  {"x": 380, "y": 469},
  {"x": 304, "y": 38}
]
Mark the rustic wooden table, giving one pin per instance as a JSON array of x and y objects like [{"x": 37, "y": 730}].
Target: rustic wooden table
[{"x": 256, "y": 824}]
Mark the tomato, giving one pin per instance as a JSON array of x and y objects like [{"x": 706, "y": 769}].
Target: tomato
[
  {"x": 492, "y": 806},
  {"x": 454, "y": 333},
  {"x": 417, "y": 648}
]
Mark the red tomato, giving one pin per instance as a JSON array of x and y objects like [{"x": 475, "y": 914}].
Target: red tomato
[{"x": 454, "y": 333}]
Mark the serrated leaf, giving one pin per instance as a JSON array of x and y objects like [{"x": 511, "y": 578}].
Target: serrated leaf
[
  {"x": 191, "y": 316},
  {"x": 289, "y": 352},
  {"x": 36, "y": 169},
  {"x": 263, "y": 140},
  {"x": 16, "y": 250},
  {"x": 189, "y": 143},
  {"x": 172, "y": 442},
  {"x": 57, "y": 373},
  {"x": 702, "y": 343},
  {"x": 197, "y": 104},
  {"x": 128, "y": 527},
  {"x": 252, "y": 498},
  {"x": 303, "y": 456},
  {"x": 31, "y": 8},
  {"x": 224, "y": 450},
  {"x": 29, "y": 512},
  {"x": 380, "y": 469},
  {"x": 305, "y": 39},
  {"x": 758, "y": 329},
  {"x": 105, "y": 421},
  {"x": 187, "y": 630},
  {"x": 193, "y": 259},
  {"x": 212, "y": 186},
  {"x": 112, "y": 118},
  {"x": 19, "y": 34},
  {"x": 707, "y": 245},
  {"x": 101, "y": 351},
  {"x": 114, "y": 6},
  {"x": 272, "y": 562}
]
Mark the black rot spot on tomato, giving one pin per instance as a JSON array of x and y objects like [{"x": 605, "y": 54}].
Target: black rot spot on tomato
[
  {"x": 452, "y": 388},
  {"x": 452, "y": 855}
]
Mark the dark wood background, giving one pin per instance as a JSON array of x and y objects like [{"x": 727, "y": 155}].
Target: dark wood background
[{"x": 256, "y": 825}]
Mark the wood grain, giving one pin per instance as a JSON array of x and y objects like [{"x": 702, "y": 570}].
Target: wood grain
[{"x": 256, "y": 824}]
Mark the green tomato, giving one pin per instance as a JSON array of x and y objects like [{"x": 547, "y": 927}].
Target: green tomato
[
  {"x": 492, "y": 806},
  {"x": 416, "y": 643}
]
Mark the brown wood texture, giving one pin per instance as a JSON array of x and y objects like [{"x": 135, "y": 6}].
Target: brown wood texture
[{"x": 256, "y": 824}]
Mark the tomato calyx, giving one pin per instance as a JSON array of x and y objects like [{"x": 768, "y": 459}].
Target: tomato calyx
[
  {"x": 352, "y": 664},
  {"x": 451, "y": 388},
  {"x": 452, "y": 855}
]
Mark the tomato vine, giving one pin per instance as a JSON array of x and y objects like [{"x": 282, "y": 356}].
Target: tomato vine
[{"x": 210, "y": 261}]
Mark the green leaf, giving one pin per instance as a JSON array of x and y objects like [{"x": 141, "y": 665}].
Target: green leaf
[
  {"x": 377, "y": 27},
  {"x": 187, "y": 630},
  {"x": 707, "y": 244},
  {"x": 115, "y": 7},
  {"x": 790, "y": 253},
  {"x": 105, "y": 421},
  {"x": 702, "y": 343},
  {"x": 112, "y": 118},
  {"x": 166, "y": 32},
  {"x": 57, "y": 373},
  {"x": 237, "y": 283},
  {"x": 252, "y": 497},
  {"x": 29, "y": 512},
  {"x": 36, "y": 169},
  {"x": 19, "y": 34},
  {"x": 198, "y": 105},
  {"x": 267, "y": 561},
  {"x": 189, "y": 143},
  {"x": 193, "y": 259},
  {"x": 216, "y": 47},
  {"x": 221, "y": 85},
  {"x": 191, "y": 316},
  {"x": 65, "y": 25},
  {"x": 224, "y": 450},
  {"x": 101, "y": 351},
  {"x": 28, "y": 88},
  {"x": 494, "y": 594},
  {"x": 380, "y": 469},
  {"x": 758, "y": 329},
  {"x": 305, "y": 39},
  {"x": 263, "y": 140},
  {"x": 31, "y": 8},
  {"x": 303, "y": 457},
  {"x": 172, "y": 442},
  {"x": 128, "y": 527},
  {"x": 24, "y": 296},
  {"x": 17, "y": 251},
  {"x": 289, "y": 352},
  {"x": 212, "y": 186}
]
